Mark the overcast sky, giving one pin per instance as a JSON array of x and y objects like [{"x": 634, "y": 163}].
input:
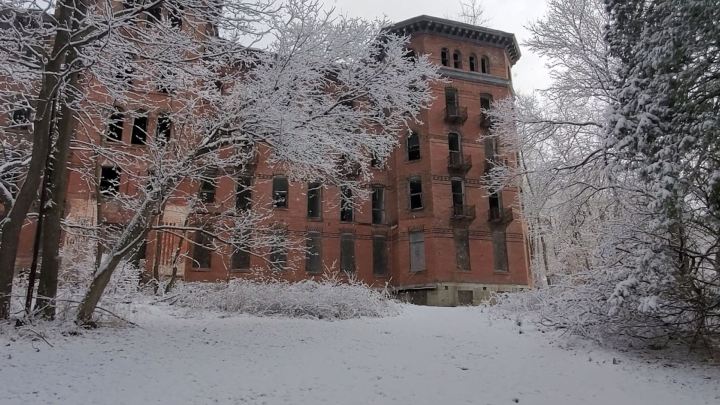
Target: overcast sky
[{"x": 505, "y": 15}]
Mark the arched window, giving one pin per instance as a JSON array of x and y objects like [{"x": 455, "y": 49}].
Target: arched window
[
  {"x": 413, "y": 146},
  {"x": 445, "y": 57},
  {"x": 484, "y": 65},
  {"x": 457, "y": 60},
  {"x": 473, "y": 63},
  {"x": 485, "y": 104}
]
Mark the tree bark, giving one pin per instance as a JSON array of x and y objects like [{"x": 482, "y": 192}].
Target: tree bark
[{"x": 27, "y": 195}]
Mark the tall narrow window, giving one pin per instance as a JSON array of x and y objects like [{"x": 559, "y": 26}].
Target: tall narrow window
[
  {"x": 115, "y": 125},
  {"x": 380, "y": 259},
  {"x": 451, "y": 100},
  {"x": 280, "y": 192},
  {"x": 346, "y": 204},
  {"x": 314, "y": 201},
  {"x": 473, "y": 63},
  {"x": 313, "y": 253},
  {"x": 454, "y": 148},
  {"x": 500, "y": 254},
  {"x": 139, "y": 130},
  {"x": 202, "y": 251},
  {"x": 458, "y": 195},
  {"x": 175, "y": 15},
  {"x": 413, "y": 146},
  {"x": 462, "y": 249},
  {"x": 241, "y": 257},
  {"x": 457, "y": 60},
  {"x": 109, "y": 181},
  {"x": 485, "y": 103},
  {"x": 378, "y": 205},
  {"x": 495, "y": 204},
  {"x": 415, "y": 188},
  {"x": 278, "y": 253},
  {"x": 243, "y": 193},
  {"x": 484, "y": 64},
  {"x": 445, "y": 57},
  {"x": 207, "y": 187},
  {"x": 417, "y": 251},
  {"x": 347, "y": 252},
  {"x": 163, "y": 130}
]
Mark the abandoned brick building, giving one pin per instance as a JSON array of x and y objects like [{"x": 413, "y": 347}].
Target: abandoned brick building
[{"x": 429, "y": 230}]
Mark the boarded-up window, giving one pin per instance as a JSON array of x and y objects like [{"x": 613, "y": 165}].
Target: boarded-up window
[
  {"x": 346, "y": 204},
  {"x": 380, "y": 255},
  {"x": 280, "y": 192},
  {"x": 378, "y": 205},
  {"x": 500, "y": 254},
  {"x": 313, "y": 253},
  {"x": 202, "y": 251},
  {"x": 417, "y": 251},
  {"x": 347, "y": 253},
  {"x": 243, "y": 193},
  {"x": 462, "y": 249},
  {"x": 314, "y": 201},
  {"x": 465, "y": 297},
  {"x": 415, "y": 189}
]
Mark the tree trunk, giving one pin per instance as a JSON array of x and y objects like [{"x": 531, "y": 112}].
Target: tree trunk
[
  {"x": 57, "y": 192},
  {"x": 41, "y": 139}
]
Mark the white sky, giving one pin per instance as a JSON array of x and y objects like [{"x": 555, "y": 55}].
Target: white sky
[{"x": 511, "y": 16}]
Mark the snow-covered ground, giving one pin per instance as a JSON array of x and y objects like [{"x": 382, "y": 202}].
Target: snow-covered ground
[{"x": 423, "y": 356}]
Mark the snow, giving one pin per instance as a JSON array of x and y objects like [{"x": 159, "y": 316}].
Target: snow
[{"x": 422, "y": 356}]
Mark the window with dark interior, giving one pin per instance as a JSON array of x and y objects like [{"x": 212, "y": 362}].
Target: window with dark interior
[
  {"x": 346, "y": 204},
  {"x": 109, "y": 181},
  {"x": 313, "y": 253},
  {"x": 278, "y": 253},
  {"x": 115, "y": 125},
  {"x": 457, "y": 60},
  {"x": 280, "y": 192},
  {"x": 347, "y": 252},
  {"x": 416, "y": 200},
  {"x": 484, "y": 65},
  {"x": 175, "y": 14},
  {"x": 454, "y": 148},
  {"x": 208, "y": 187},
  {"x": 163, "y": 130},
  {"x": 314, "y": 201},
  {"x": 21, "y": 117},
  {"x": 139, "y": 130},
  {"x": 378, "y": 205},
  {"x": 240, "y": 260},
  {"x": 413, "y": 146},
  {"x": 380, "y": 254},
  {"x": 243, "y": 193},
  {"x": 495, "y": 204},
  {"x": 417, "y": 250},
  {"x": 473, "y": 63},
  {"x": 202, "y": 251},
  {"x": 452, "y": 101},
  {"x": 154, "y": 13},
  {"x": 485, "y": 104},
  {"x": 458, "y": 195},
  {"x": 445, "y": 57}
]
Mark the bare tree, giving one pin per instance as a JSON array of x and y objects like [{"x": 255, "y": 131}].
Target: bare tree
[{"x": 472, "y": 12}]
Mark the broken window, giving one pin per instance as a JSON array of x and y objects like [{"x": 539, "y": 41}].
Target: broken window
[
  {"x": 495, "y": 204},
  {"x": 380, "y": 255},
  {"x": 485, "y": 103},
  {"x": 378, "y": 205},
  {"x": 208, "y": 187},
  {"x": 417, "y": 251},
  {"x": 413, "y": 146},
  {"x": 473, "y": 63},
  {"x": 451, "y": 100},
  {"x": 458, "y": 195},
  {"x": 163, "y": 130},
  {"x": 115, "y": 125},
  {"x": 346, "y": 204},
  {"x": 109, "y": 181},
  {"x": 484, "y": 65},
  {"x": 313, "y": 253},
  {"x": 415, "y": 188},
  {"x": 347, "y": 252},
  {"x": 202, "y": 251},
  {"x": 314, "y": 200},
  {"x": 454, "y": 148},
  {"x": 457, "y": 60},
  {"x": 243, "y": 193},
  {"x": 445, "y": 57},
  {"x": 21, "y": 117},
  {"x": 139, "y": 130},
  {"x": 280, "y": 192}
]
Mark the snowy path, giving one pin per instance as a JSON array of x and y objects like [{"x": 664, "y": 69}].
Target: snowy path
[{"x": 424, "y": 356}]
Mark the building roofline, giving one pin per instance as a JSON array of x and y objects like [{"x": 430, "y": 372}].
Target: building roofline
[{"x": 487, "y": 36}]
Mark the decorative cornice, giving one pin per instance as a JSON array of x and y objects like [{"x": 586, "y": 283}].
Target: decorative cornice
[{"x": 433, "y": 25}]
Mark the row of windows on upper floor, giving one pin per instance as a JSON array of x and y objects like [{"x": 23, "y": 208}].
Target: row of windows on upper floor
[{"x": 475, "y": 64}]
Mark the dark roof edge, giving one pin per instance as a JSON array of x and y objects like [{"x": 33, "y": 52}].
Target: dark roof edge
[{"x": 423, "y": 23}]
